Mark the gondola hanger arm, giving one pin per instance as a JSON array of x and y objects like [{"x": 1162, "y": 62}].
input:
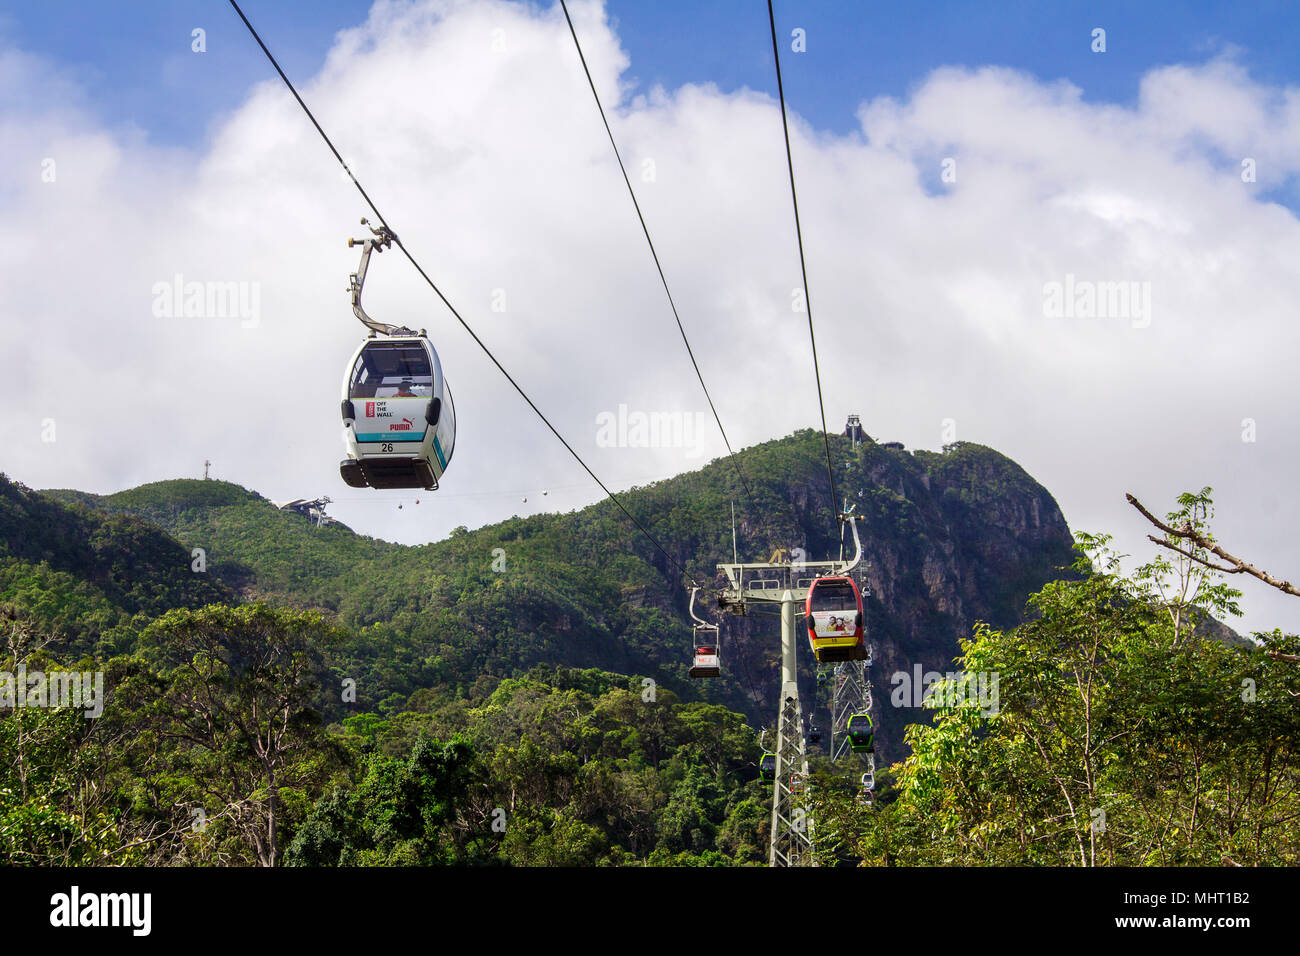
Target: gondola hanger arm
[
  {"x": 383, "y": 238},
  {"x": 857, "y": 541},
  {"x": 694, "y": 617}
]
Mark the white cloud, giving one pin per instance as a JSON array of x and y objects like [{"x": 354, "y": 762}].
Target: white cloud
[{"x": 472, "y": 127}]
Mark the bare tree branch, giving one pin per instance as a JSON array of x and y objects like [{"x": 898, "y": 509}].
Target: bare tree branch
[
  {"x": 1188, "y": 533},
  {"x": 1194, "y": 557}
]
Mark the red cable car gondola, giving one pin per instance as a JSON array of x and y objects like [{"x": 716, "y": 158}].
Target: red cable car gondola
[{"x": 833, "y": 616}]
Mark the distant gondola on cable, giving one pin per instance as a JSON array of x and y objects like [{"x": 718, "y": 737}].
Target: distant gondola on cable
[
  {"x": 705, "y": 660},
  {"x": 867, "y": 795},
  {"x": 767, "y": 767},
  {"x": 862, "y": 734},
  {"x": 399, "y": 422},
  {"x": 833, "y": 617}
]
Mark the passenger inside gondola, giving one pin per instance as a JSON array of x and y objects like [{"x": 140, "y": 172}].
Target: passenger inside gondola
[{"x": 386, "y": 370}]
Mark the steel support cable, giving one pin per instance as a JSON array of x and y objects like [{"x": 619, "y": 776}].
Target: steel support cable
[
  {"x": 794, "y": 197},
  {"x": 650, "y": 242},
  {"x": 754, "y": 695},
  {"x": 465, "y": 325}
]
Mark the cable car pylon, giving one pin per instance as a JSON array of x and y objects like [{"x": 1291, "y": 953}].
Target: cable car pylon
[
  {"x": 788, "y": 584},
  {"x": 852, "y": 723}
]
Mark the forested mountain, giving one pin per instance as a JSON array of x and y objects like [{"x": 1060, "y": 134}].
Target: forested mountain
[
  {"x": 950, "y": 539},
  {"x": 280, "y": 693},
  {"x": 92, "y": 579}
]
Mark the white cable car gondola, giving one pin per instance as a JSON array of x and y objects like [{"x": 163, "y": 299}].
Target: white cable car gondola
[
  {"x": 399, "y": 421},
  {"x": 398, "y": 418},
  {"x": 705, "y": 662}
]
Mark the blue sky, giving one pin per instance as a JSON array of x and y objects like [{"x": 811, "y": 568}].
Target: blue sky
[{"x": 134, "y": 59}]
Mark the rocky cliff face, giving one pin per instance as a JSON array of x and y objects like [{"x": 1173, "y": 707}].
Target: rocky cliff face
[
  {"x": 949, "y": 539},
  {"x": 986, "y": 537}
]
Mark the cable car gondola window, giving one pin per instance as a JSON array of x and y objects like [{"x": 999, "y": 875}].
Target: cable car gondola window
[
  {"x": 392, "y": 371},
  {"x": 834, "y": 596},
  {"x": 448, "y": 423}
]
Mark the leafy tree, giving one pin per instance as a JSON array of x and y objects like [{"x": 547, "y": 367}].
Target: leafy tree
[
  {"x": 398, "y": 815},
  {"x": 232, "y": 709},
  {"x": 1122, "y": 735}
]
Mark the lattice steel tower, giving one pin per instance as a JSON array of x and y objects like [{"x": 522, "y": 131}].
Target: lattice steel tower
[{"x": 786, "y": 583}]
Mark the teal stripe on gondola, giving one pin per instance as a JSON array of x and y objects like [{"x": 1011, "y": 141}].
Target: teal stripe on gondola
[
  {"x": 389, "y": 436},
  {"x": 437, "y": 449}
]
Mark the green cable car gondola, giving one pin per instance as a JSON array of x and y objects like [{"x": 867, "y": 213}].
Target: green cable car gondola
[
  {"x": 767, "y": 767},
  {"x": 862, "y": 734}
]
